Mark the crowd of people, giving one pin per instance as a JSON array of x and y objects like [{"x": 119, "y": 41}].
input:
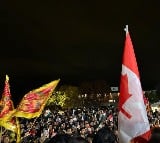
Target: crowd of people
[
  {"x": 86, "y": 125},
  {"x": 83, "y": 122}
]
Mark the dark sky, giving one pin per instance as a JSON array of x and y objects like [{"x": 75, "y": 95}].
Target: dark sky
[{"x": 76, "y": 40}]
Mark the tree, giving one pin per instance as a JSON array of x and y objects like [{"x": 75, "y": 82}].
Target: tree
[
  {"x": 57, "y": 99},
  {"x": 71, "y": 93}
]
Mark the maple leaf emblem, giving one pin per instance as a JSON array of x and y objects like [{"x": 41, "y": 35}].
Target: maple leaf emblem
[{"x": 124, "y": 94}]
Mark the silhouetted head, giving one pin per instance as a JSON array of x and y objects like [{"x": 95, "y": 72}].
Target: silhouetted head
[
  {"x": 78, "y": 140},
  {"x": 60, "y": 138},
  {"x": 156, "y": 130},
  {"x": 104, "y": 135},
  {"x": 155, "y": 137}
]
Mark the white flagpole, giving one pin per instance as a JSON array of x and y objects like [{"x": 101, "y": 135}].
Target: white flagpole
[{"x": 126, "y": 29}]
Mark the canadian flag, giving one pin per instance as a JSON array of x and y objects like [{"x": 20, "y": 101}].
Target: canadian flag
[{"x": 132, "y": 118}]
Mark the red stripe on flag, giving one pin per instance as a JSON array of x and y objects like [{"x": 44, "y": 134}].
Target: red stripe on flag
[{"x": 129, "y": 53}]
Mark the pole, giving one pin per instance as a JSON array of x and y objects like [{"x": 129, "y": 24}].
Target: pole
[
  {"x": 1, "y": 132},
  {"x": 126, "y": 29},
  {"x": 1, "y": 135}
]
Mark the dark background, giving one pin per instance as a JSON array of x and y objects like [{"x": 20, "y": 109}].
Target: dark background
[{"x": 76, "y": 41}]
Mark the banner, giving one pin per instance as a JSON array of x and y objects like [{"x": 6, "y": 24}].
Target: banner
[
  {"x": 33, "y": 102},
  {"x": 6, "y": 104}
]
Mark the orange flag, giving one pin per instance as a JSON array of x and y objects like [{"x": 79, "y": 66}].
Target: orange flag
[{"x": 32, "y": 104}]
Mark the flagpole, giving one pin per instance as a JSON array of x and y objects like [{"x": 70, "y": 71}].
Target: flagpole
[
  {"x": 126, "y": 29},
  {"x": 1, "y": 135}
]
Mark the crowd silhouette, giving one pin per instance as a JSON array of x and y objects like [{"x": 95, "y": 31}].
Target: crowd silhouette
[{"x": 77, "y": 125}]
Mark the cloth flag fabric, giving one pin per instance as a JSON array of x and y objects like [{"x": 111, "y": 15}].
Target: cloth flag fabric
[
  {"x": 33, "y": 103},
  {"x": 9, "y": 123},
  {"x": 132, "y": 117},
  {"x": 6, "y": 108}
]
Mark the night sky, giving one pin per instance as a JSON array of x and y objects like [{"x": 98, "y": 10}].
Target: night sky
[{"x": 76, "y": 40}]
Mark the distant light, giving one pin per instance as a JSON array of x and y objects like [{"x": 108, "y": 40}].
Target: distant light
[
  {"x": 111, "y": 101},
  {"x": 114, "y": 88}
]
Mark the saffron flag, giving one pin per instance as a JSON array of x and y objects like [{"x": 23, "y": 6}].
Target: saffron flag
[
  {"x": 8, "y": 122},
  {"x": 33, "y": 102},
  {"x": 132, "y": 117}
]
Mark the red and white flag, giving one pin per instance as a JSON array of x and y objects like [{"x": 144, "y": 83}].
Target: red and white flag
[{"x": 132, "y": 119}]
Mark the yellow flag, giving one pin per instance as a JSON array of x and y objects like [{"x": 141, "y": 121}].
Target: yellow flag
[
  {"x": 8, "y": 122},
  {"x": 33, "y": 103}
]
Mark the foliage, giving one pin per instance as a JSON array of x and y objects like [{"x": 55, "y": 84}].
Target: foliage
[
  {"x": 66, "y": 97},
  {"x": 88, "y": 94},
  {"x": 71, "y": 93},
  {"x": 58, "y": 98}
]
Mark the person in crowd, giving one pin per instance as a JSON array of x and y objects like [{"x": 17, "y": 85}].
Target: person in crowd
[
  {"x": 60, "y": 138},
  {"x": 83, "y": 122},
  {"x": 78, "y": 140},
  {"x": 155, "y": 136},
  {"x": 105, "y": 135}
]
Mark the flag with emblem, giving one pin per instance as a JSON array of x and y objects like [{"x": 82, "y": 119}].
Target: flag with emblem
[
  {"x": 132, "y": 119},
  {"x": 6, "y": 108},
  {"x": 8, "y": 122},
  {"x": 33, "y": 103}
]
